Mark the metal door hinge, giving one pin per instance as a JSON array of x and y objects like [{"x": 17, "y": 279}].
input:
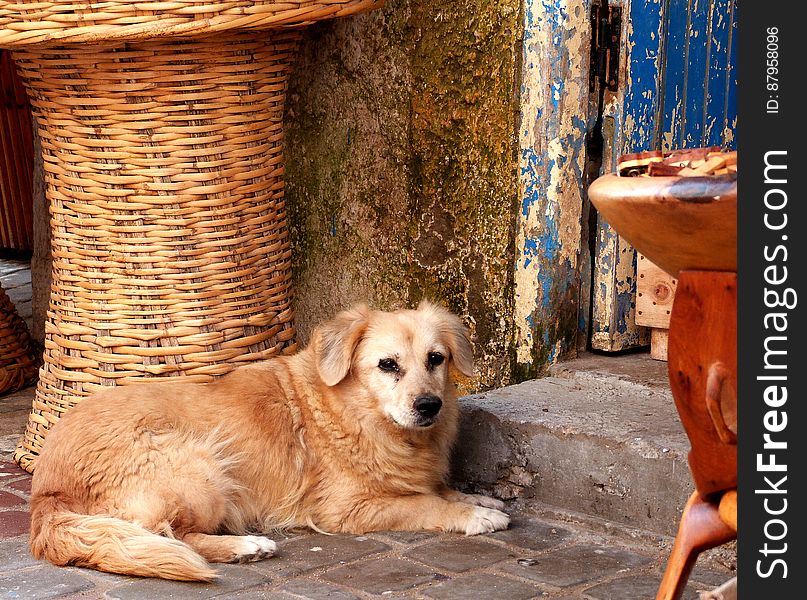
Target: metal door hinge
[{"x": 606, "y": 29}]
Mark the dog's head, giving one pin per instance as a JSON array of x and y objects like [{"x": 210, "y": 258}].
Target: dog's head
[{"x": 401, "y": 359}]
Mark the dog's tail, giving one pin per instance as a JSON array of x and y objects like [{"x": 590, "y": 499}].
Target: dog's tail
[{"x": 110, "y": 544}]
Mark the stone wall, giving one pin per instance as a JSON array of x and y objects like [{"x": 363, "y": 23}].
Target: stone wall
[{"x": 401, "y": 159}]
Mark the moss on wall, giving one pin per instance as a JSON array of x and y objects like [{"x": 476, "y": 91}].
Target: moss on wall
[{"x": 401, "y": 166}]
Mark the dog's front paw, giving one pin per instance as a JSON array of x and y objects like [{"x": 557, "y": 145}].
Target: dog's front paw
[
  {"x": 486, "y": 520},
  {"x": 486, "y": 501},
  {"x": 254, "y": 547}
]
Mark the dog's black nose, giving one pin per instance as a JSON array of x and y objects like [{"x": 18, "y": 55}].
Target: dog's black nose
[{"x": 428, "y": 405}]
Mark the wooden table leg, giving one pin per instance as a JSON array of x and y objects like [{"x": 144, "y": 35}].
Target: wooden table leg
[{"x": 701, "y": 528}]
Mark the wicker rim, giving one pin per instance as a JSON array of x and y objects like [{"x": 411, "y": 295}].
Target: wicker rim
[{"x": 27, "y": 22}]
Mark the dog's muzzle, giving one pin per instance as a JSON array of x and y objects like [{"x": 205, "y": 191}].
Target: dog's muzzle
[{"x": 427, "y": 406}]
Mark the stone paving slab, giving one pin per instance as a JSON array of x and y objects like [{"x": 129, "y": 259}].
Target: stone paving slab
[
  {"x": 11, "y": 266},
  {"x": 306, "y": 553},
  {"x": 544, "y": 555},
  {"x": 576, "y": 564},
  {"x": 485, "y": 585},
  {"x": 384, "y": 575},
  {"x": 458, "y": 555},
  {"x": 45, "y": 581},
  {"x": 15, "y": 279}
]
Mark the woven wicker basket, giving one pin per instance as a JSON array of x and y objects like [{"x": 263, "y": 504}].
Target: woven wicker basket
[
  {"x": 162, "y": 142},
  {"x": 18, "y": 365}
]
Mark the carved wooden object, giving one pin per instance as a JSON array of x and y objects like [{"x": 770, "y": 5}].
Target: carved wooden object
[{"x": 703, "y": 376}]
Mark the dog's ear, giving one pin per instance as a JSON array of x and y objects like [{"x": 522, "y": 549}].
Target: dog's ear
[
  {"x": 336, "y": 341},
  {"x": 456, "y": 335}
]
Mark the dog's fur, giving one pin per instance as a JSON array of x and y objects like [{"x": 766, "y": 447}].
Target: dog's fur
[{"x": 160, "y": 479}]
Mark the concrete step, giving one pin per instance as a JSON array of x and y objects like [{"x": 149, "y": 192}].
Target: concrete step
[{"x": 599, "y": 436}]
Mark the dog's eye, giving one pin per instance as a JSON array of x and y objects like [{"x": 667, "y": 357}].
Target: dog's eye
[
  {"x": 388, "y": 364},
  {"x": 435, "y": 358}
]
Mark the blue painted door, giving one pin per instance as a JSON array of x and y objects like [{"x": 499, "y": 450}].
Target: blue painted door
[{"x": 677, "y": 89}]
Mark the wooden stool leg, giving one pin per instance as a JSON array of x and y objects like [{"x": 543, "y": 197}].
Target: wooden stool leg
[{"x": 700, "y": 528}]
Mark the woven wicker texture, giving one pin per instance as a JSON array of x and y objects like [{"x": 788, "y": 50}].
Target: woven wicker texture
[
  {"x": 18, "y": 365},
  {"x": 27, "y": 22},
  {"x": 163, "y": 166}
]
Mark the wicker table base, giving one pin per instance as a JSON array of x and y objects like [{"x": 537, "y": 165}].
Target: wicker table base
[{"x": 163, "y": 163}]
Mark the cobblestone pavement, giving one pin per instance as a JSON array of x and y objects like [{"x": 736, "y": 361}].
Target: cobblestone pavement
[{"x": 544, "y": 554}]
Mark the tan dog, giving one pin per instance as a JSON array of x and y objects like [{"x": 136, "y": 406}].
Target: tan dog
[{"x": 352, "y": 434}]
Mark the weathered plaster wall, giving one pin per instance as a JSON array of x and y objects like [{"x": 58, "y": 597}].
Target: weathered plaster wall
[{"x": 401, "y": 166}]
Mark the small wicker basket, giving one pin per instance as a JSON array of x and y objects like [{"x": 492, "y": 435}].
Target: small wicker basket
[
  {"x": 162, "y": 136},
  {"x": 18, "y": 363}
]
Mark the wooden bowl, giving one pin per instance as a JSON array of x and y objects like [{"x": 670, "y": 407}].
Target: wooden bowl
[{"x": 679, "y": 223}]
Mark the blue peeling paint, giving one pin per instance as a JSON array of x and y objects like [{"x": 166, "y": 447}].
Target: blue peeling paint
[
  {"x": 546, "y": 289},
  {"x": 547, "y": 245},
  {"x": 531, "y": 171},
  {"x": 642, "y": 96},
  {"x": 624, "y": 304},
  {"x": 532, "y": 163},
  {"x": 557, "y": 92},
  {"x": 546, "y": 181},
  {"x": 556, "y": 12},
  {"x": 549, "y": 240}
]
